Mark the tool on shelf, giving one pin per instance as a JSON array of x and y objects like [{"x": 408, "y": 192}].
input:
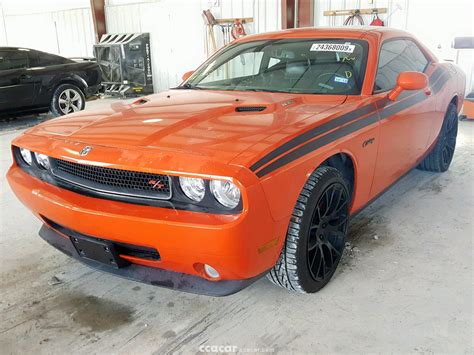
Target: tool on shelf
[
  {"x": 231, "y": 29},
  {"x": 356, "y": 14}
]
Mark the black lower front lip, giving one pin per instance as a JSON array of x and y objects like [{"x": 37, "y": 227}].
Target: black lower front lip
[{"x": 150, "y": 275}]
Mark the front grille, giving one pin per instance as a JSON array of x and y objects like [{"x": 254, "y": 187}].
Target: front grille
[{"x": 113, "y": 181}]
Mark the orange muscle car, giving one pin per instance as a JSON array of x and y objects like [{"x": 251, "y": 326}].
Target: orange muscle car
[{"x": 252, "y": 166}]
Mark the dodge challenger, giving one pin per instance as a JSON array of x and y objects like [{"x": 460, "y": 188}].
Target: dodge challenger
[{"x": 252, "y": 166}]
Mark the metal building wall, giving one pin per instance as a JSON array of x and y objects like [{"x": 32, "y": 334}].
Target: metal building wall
[
  {"x": 398, "y": 16},
  {"x": 177, "y": 30},
  {"x": 69, "y": 33}
]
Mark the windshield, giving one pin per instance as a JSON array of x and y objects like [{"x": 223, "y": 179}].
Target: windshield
[{"x": 307, "y": 66}]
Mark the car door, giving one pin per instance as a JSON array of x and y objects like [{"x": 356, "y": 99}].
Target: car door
[
  {"x": 405, "y": 123},
  {"x": 17, "y": 86}
]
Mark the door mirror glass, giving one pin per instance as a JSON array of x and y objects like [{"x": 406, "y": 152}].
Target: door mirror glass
[{"x": 408, "y": 80}]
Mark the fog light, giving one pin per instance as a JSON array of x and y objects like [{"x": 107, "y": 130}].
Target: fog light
[{"x": 211, "y": 272}]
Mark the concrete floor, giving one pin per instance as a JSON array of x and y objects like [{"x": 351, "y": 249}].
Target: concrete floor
[{"x": 405, "y": 285}]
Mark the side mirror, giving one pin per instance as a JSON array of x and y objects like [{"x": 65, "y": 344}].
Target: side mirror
[
  {"x": 409, "y": 80},
  {"x": 187, "y": 75}
]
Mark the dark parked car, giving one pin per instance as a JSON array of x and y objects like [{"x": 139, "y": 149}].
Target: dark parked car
[{"x": 34, "y": 81}]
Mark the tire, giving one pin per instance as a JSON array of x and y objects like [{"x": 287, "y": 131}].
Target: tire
[
  {"x": 439, "y": 159},
  {"x": 312, "y": 233},
  {"x": 67, "y": 98}
]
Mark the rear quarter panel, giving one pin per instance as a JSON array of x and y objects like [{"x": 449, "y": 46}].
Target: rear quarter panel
[
  {"x": 453, "y": 89},
  {"x": 82, "y": 75}
]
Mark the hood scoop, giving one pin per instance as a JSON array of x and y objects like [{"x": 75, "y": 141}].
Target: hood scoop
[{"x": 250, "y": 108}]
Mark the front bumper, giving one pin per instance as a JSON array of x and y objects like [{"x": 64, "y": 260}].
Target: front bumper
[
  {"x": 241, "y": 247},
  {"x": 150, "y": 275}
]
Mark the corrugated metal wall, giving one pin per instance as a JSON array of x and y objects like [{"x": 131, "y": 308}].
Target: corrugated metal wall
[
  {"x": 177, "y": 29},
  {"x": 396, "y": 9},
  {"x": 68, "y": 33}
]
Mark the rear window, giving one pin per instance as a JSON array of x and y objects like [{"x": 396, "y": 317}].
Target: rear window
[{"x": 41, "y": 59}]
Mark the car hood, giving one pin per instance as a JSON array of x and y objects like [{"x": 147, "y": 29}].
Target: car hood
[{"x": 217, "y": 124}]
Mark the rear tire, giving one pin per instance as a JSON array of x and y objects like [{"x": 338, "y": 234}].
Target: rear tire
[
  {"x": 67, "y": 98},
  {"x": 439, "y": 159},
  {"x": 316, "y": 235}
]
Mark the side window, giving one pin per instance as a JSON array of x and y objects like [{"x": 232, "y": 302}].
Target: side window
[
  {"x": 41, "y": 59},
  {"x": 397, "y": 56},
  {"x": 13, "y": 60}
]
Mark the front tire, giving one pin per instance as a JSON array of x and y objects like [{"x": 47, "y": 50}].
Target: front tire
[
  {"x": 67, "y": 98},
  {"x": 439, "y": 159},
  {"x": 316, "y": 235}
]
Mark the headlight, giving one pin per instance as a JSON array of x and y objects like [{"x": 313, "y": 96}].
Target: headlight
[
  {"x": 26, "y": 155},
  {"x": 42, "y": 160},
  {"x": 194, "y": 188},
  {"x": 226, "y": 192}
]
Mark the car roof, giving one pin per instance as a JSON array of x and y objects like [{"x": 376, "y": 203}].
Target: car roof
[
  {"x": 19, "y": 48},
  {"x": 343, "y": 31}
]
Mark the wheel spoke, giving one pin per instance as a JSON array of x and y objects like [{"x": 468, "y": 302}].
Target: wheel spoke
[
  {"x": 74, "y": 108},
  {"x": 331, "y": 200},
  {"x": 312, "y": 243},
  {"x": 326, "y": 197},
  {"x": 327, "y": 231},
  {"x": 319, "y": 214},
  {"x": 333, "y": 249},
  {"x": 316, "y": 274},
  {"x": 330, "y": 259},
  {"x": 322, "y": 264}
]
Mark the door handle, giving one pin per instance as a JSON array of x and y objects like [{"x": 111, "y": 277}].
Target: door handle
[{"x": 25, "y": 76}]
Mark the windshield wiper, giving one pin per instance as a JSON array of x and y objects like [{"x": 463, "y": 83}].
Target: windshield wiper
[
  {"x": 189, "y": 86},
  {"x": 263, "y": 90}
]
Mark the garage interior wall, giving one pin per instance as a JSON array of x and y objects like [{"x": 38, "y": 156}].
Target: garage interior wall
[
  {"x": 178, "y": 33},
  {"x": 177, "y": 30},
  {"x": 57, "y": 29}
]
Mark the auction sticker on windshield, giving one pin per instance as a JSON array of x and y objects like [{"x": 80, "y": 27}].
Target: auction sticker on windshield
[{"x": 332, "y": 47}]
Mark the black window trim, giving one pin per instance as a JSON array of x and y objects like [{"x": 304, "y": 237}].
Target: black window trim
[{"x": 428, "y": 58}]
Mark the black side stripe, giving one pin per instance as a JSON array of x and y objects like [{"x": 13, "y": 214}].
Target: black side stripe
[
  {"x": 435, "y": 76},
  {"x": 355, "y": 126},
  {"x": 440, "y": 83},
  {"x": 336, "y": 122},
  {"x": 317, "y": 143},
  {"x": 399, "y": 106}
]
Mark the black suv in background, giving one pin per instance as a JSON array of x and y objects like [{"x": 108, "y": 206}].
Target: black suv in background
[{"x": 34, "y": 81}]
